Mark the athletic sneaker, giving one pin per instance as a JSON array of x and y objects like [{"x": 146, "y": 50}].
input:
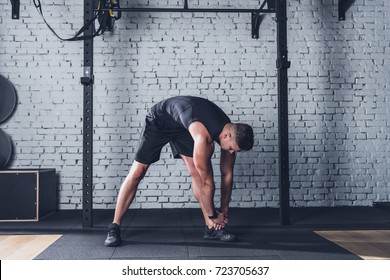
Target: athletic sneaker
[
  {"x": 114, "y": 236},
  {"x": 222, "y": 235}
]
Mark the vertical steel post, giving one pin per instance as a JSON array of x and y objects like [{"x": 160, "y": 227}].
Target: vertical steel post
[
  {"x": 87, "y": 82},
  {"x": 282, "y": 67}
]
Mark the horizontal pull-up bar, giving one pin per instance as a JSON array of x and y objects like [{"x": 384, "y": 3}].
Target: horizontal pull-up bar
[
  {"x": 189, "y": 10},
  {"x": 113, "y": 6},
  {"x": 256, "y": 18},
  {"x": 186, "y": 9}
]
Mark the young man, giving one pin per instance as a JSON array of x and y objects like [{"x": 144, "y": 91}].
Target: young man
[{"x": 190, "y": 125}]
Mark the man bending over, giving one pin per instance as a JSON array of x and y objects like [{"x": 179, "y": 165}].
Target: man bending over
[{"x": 190, "y": 125}]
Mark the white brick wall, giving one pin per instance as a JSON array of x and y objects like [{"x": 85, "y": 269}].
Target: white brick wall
[{"x": 339, "y": 79}]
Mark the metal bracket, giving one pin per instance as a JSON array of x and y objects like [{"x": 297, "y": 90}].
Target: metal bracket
[
  {"x": 257, "y": 18},
  {"x": 283, "y": 63},
  {"x": 344, "y": 5},
  {"x": 15, "y": 9},
  {"x": 271, "y": 4},
  {"x": 88, "y": 78}
]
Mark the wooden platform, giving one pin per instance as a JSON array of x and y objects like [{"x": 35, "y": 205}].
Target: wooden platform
[
  {"x": 367, "y": 244},
  {"x": 24, "y": 247}
]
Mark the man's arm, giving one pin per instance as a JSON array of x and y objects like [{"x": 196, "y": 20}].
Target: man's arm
[
  {"x": 226, "y": 166},
  {"x": 203, "y": 150}
]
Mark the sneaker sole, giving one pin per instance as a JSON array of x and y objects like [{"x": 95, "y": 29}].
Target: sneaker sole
[
  {"x": 219, "y": 239},
  {"x": 112, "y": 244}
]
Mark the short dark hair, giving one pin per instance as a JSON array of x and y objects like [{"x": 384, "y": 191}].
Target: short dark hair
[{"x": 244, "y": 136}]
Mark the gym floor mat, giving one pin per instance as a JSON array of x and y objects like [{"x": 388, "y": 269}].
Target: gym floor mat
[{"x": 178, "y": 234}]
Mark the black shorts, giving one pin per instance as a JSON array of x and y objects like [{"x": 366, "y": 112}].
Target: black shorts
[{"x": 154, "y": 137}]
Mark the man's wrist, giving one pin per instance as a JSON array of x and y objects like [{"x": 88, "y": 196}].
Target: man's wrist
[
  {"x": 223, "y": 211},
  {"x": 214, "y": 216}
]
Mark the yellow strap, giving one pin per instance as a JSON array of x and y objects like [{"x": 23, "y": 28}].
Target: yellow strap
[{"x": 111, "y": 11}]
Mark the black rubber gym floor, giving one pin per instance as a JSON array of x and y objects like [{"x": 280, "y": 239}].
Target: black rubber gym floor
[{"x": 177, "y": 234}]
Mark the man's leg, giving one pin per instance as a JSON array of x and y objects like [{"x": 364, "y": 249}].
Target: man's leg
[
  {"x": 126, "y": 195},
  {"x": 128, "y": 189}
]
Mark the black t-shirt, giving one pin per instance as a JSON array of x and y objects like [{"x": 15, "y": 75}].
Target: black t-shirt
[{"x": 180, "y": 111}]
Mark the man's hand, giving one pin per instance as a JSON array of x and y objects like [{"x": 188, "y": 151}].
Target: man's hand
[{"x": 220, "y": 222}]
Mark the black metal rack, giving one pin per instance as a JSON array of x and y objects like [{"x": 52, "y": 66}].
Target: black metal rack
[
  {"x": 279, "y": 7},
  {"x": 87, "y": 82},
  {"x": 282, "y": 65}
]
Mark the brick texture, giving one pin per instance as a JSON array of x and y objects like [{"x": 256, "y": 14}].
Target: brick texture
[{"x": 339, "y": 83}]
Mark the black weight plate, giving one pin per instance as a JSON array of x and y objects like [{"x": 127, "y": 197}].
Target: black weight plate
[
  {"x": 7, "y": 98},
  {"x": 5, "y": 149}
]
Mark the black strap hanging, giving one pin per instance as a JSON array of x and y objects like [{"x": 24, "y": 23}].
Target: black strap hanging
[{"x": 106, "y": 20}]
